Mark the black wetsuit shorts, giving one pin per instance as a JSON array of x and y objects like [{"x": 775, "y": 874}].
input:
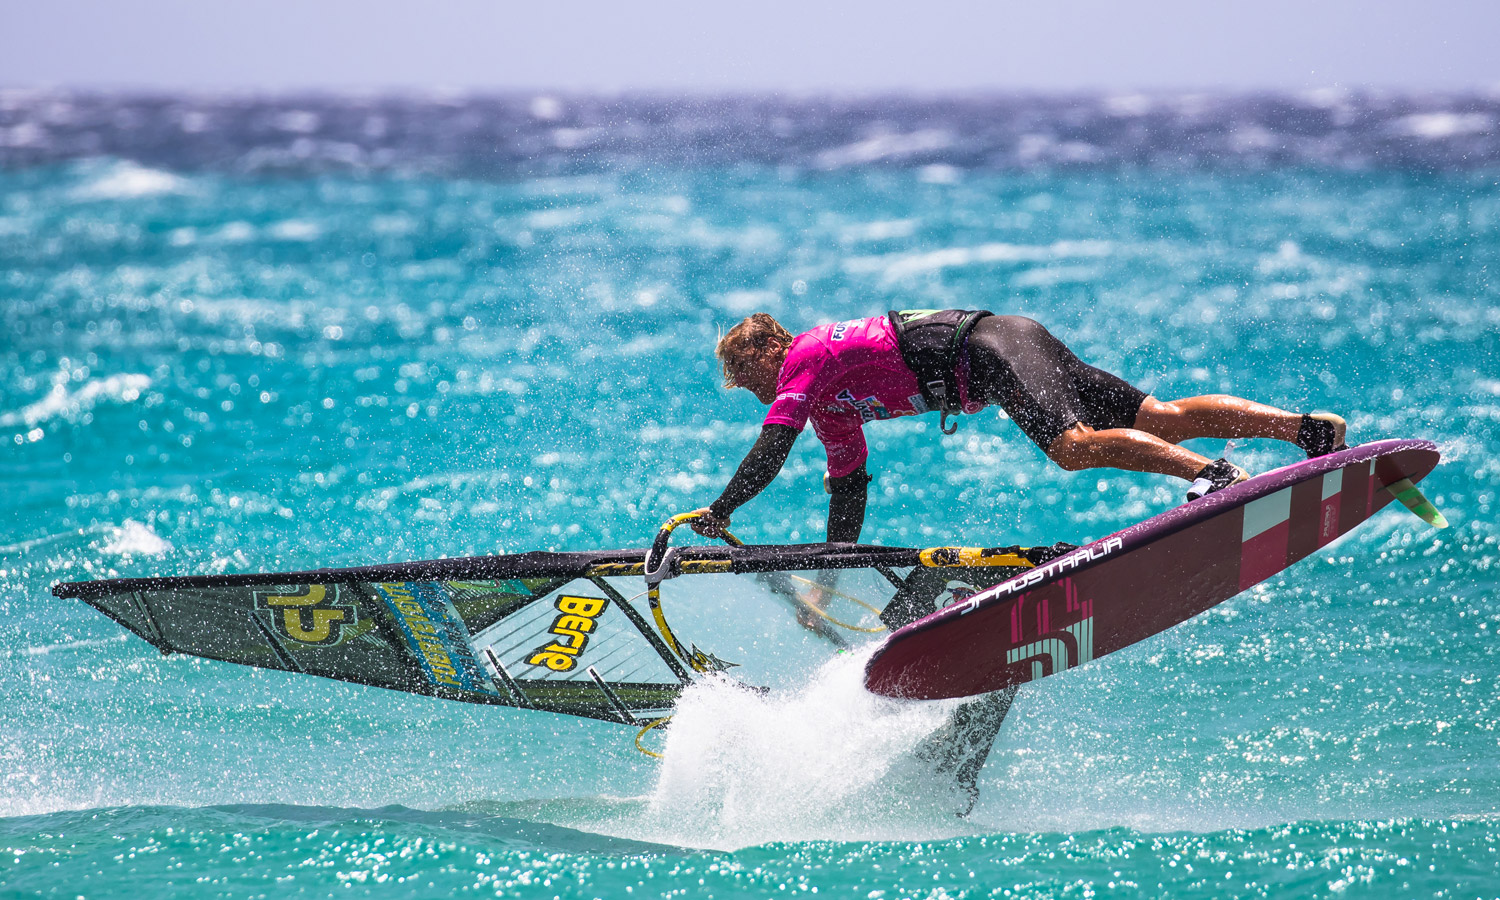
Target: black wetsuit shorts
[{"x": 1018, "y": 365}]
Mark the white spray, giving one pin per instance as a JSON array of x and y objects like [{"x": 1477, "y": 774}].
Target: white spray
[{"x": 828, "y": 760}]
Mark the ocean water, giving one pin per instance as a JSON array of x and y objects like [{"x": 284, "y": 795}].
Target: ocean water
[{"x": 248, "y": 334}]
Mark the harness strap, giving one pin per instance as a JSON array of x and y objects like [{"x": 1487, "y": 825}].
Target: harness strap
[{"x": 931, "y": 341}]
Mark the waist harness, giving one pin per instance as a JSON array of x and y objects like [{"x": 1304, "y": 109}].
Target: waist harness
[{"x": 930, "y": 341}]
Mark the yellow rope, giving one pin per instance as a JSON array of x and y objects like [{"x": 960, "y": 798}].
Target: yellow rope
[
  {"x": 829, "y": 590},
  {"x": 642, "y": 733},
  {"x": 831, "y": 619}
]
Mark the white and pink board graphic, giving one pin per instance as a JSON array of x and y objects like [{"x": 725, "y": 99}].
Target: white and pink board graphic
[{"x": 1143, "y": 580}]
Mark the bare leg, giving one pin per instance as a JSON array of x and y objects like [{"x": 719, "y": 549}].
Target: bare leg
[
  {"x": 1215, "y": 416},
  {"x": 1151, "y": 446},
  {"x": 1082, "y": 447}
]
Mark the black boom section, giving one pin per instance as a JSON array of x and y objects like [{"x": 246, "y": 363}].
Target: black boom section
[{"x": 535, "y": 564}]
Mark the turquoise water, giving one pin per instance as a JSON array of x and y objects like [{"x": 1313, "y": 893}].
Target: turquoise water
[{"x": 210, "y": 364}]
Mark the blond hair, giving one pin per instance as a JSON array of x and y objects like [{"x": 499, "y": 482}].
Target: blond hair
[{"x": 753, "y": 335}]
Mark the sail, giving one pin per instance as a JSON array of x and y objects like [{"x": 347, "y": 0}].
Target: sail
[{"x": 560, "y": 632}]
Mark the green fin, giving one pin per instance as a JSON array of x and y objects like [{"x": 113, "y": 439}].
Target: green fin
[{"x": 1412, "y": 499}]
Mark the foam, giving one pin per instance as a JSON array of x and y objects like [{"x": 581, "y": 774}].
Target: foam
[
  {"x": 998, "y": 131},
  {"x": 63, "y": 403},
  {"x": 940, "y": 173},
  {"x": 883, "y": 230},
  {"x": 828, "y": 760},
  {"x": 562, "y": 217},
  {"x": 1440, "y": 125},
  {"x": 246, "y": 310},
  {"x": 746, "y": 302},
  {"x": 133, "y": 538},
  {"x": 885, "y": 147},
  {"x": 1044, "y": 148},
  {"x": 894, "y": 267},
  {"x": 298, "y": 121},
  {"x": 127, "y": 181},
  {"x": 30, "y": 545},
  {"x": 575, "y": 138},
  {"x": 26, "y": 134},
  {"x": 545, "y": 108},
  {"x": 88, "y": 644},
  {"x": 295, "y": 230},
  {"x": 1129, "y": 106}
]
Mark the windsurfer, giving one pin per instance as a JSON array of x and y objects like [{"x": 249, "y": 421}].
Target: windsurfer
[{"x": 842, "y": 375}]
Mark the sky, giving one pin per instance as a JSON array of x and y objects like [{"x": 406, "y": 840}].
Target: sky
[{"x": 788, "y": 46}]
